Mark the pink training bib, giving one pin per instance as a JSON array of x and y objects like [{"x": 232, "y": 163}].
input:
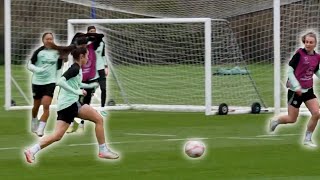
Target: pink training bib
[{"x": 89, "y": 69}]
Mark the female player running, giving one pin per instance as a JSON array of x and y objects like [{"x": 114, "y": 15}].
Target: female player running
[
  {"x": 69, "y": 108},
  {"x": 44, "y": 64},
  {"x": 93, "y": 71},
  {"x": 303, "y": 65}
]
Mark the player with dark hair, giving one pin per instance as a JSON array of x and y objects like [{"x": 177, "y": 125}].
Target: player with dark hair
[
  {"x": 93, "y": 71},
  {"x": 45, "y": 64},
  {"x": 68, "y": 108},
  {"x": 101, "y": 65}
]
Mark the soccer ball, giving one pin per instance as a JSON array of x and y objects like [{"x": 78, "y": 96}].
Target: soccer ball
[{"x": 194, "y": 149}]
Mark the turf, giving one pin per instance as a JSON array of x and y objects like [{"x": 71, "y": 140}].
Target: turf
[{"x": 235, "y": 148}]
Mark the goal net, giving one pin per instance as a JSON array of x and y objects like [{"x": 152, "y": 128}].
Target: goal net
[
  {"x": 155, "y": 64},
  {"x": 163, "y": 63}
]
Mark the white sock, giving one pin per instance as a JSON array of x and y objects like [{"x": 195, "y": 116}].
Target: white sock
[
  {"x": 103, "y": 147},
  {"x": 308, "y": 136},
  {"x": 42, "y": 125},
  {"x": 35, "y": 119},
  {"x": 35, "y": 148}
]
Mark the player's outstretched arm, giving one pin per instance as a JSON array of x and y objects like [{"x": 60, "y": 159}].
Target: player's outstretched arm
[
  {"x": 89, "y": 86},
  {"x": 292, "y": 79},
  {"x": 62, "y": 82},
  {"x": 31, "y": 67},
  {"x": 317, "y": 73}
]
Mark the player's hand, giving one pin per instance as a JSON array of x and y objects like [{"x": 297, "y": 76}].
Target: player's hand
[
  {"x": 299, "y": 92},
  {"x": 84, "y": 92},
  {"x": 106, "y": 71},
  {"x": 81, "y": 92},
  {"x": 94, "y": 85}
]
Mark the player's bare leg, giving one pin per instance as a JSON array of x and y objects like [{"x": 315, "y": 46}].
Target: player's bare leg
[
  {"x": 87, "y": 112},
  {"x": 35, "y": 110},
  {"x": 292, "y": 116},
  {"x": 313, "y": 107},
  {"x": 60, "y": 129},
  {"x": 45, "y": 101}
]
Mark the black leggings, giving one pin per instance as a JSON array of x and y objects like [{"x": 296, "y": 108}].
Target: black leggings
[
  {"x": 103, "y": 86},
  {"x": 103, "y": 83}
]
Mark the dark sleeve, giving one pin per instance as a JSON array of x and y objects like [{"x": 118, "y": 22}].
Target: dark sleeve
[
  {"x": 59, "y": 64},
  {"x": 73, "y": 71},
  {"x": 73, "y": 41},
  {"x": 295, "y": 60},
  {"x": 316, "y": 69},
  {"x": 96, "y": 38},
  {"x": 103, "y": 50},
  {"x": 79, "y": 39},
  {"x": 35, "y": 54}
]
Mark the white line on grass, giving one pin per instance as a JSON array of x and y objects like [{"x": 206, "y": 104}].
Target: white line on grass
[
  {"x": 85, "y": 144},
  {"x": 140, "y": 134},
  {"x": 255, "y": 138},
  {"x": 9, "y": 148},
  {"x": 275, "y": 135},
  {"x": 160, "y": 140},
  {"x": 184, "y": 139},
  {"x": 138, "y": 141}
]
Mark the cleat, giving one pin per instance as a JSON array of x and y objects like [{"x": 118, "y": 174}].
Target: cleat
[
  {"x": 29, "y": 156},
  {"x": 103, "y": 113},
  {"x": 34, "y": 125},
  {"x": 70, "y": 129},
  {"x": 309, "y": 144},
  {"x": 108, "y": 155},
  {"x": 80, "y": 129},
  {"x": 272, "y": 125},
  {"x": 73, "y": 128}
]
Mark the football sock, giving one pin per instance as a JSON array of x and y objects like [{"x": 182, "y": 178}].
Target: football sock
[
  {"x": 35, "y": 148},
  {"x": 308, "y": 136},
  {"x": 42, "y": 125},
  {"x": 103, "y": 147}
]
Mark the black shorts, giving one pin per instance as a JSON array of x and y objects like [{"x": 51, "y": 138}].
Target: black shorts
[
  {"x": 38, "y": 91},
  {"x": 295, "y": 100},
  {"x": 68, "y": 114}
]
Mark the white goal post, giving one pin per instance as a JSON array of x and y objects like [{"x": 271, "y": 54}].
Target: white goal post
[{"x": 207, "y": 106}]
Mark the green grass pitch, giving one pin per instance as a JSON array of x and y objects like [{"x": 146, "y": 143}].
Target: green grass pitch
[{"x": 236, "y": 148}]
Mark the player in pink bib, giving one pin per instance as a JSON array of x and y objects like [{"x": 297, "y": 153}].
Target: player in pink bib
[{"x": 303, "y": 65}]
